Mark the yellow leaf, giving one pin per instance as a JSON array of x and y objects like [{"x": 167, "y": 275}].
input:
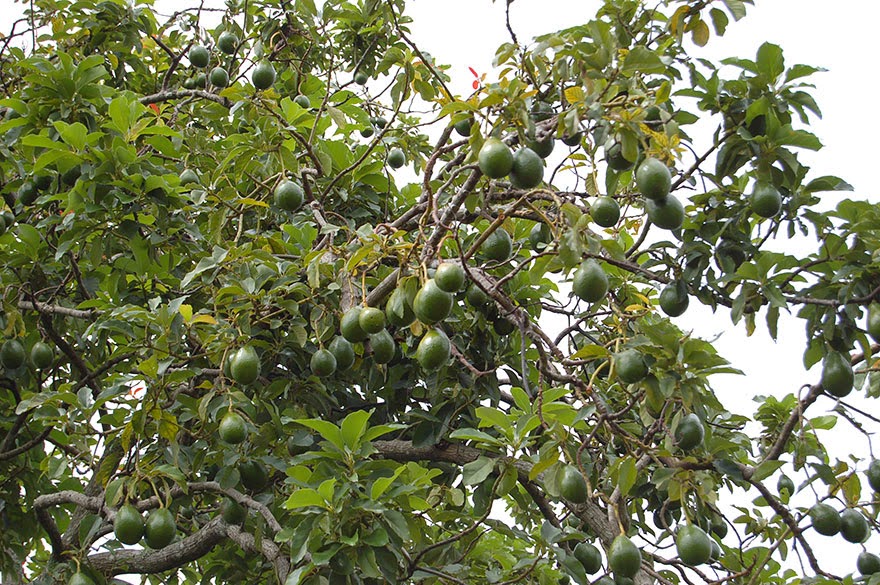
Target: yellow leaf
[
  {"x": 253, "y": 202},
  {"x": 187, "y": 312},
  {"x": 204, "y": 319},
  {"x": 700, "y": 33},
  {"x": 574, "y": 95}
]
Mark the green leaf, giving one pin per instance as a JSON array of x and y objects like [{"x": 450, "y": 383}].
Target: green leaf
[
  {"x": 468, "y": 434},
  {"x": 736, "y": 7},
  {"x": 303, "y": 498},
  {"x": 381, "y": 485},
  {"x": 492, "y": 417},
  {"x": 766, "y": 469},
  {"x": 327, "y": 430},
  {"x": 353, "y": 427},
  {"x": 478, "y": 470},
  {"x": 627, "y": 474},
  {"x": 770, "y": 61},
  {"x": 642, "y": 60}
]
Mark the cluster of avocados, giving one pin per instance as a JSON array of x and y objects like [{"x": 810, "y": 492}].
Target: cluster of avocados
[
  {"x": 262, "y": 77},
  {"x": 14, "y": 356}
]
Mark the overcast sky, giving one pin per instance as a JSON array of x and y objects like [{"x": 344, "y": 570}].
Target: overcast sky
[{"x": 839, "y": 36}]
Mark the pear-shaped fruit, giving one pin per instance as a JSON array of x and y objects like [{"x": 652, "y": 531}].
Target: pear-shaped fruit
[
  {"x": 766, "y": 200},
  {"x": 785, "y": 484},
  {"x": 497, "y": 246},
  {"x": 244, "y": 367},
  {"x": 12, "y": 354},
  {"x": 372, "y": 320},
  {"x": 396, "y": 158},
  {"x": 199, "y": 56},
  {"x": 398, "y": 309},
  {"x": 382, "y": 346},
  {"x": 653, "y": 179},
  {"x": 227, "y": 42},
  {"x": 254, "y": 475},
  {"x": 689, "y": 433},
  {"x": 837, "y": 374},
  {"x": 572, "y": 485},
  {"x": 589, "y": 556},
  {"x": 343, "y": 351},
  {"x": 232, "y": 429},
  {"x": 853, "y": 526},
  {"x": 42, "y": 355},
  {"x": 693, "y": 545},
  {"x": 288, "y": 195},
  {"x": 873, "y": 321},
  {"x": 873, "y": 475},
  {"x": 868, "y": 563},
  {"x": 630, "y": 366},
  {"x": 232, "y": 512},
  {"x": 605, "y": 211},
  {"x": 128, "y": 526},
  {"x": 433, "y": 350},
  {"x": 350, "y": 326},
  {"x": 263, "y": 75},
  {"x": 449, "y": 277},
  {"x": 666, "y": 213},
  {"x": 825, "y": 519},
  {"x": 219, "y": 77},
  {"x": 590, "y": 282},
  {"x": 624, "y": 557},
  {"x": 528, "y": 169},
  {"x": 674, "y": 299},
  {"x": 323, "y": 363},
  {"x": 160, "y": 528},
  {"x": 432, "y": 304}
]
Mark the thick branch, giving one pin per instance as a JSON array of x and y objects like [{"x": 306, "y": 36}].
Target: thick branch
[{"x": 57, "y": 310}]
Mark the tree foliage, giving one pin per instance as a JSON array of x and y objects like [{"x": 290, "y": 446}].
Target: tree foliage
[{"x": 188, "y": 262}]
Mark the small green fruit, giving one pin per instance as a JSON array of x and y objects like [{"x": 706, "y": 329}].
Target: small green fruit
[
  {"x": 605, "y": 211},
  {"x": 666, "y": 213},
  {"x": 766, "y": 200},
  {"x": 837, "y": 374},
  {"x": 244, "y": 367},
  {"x": 653, "y": 179},
  {"x": 693, "y": 545},
  {"x": 263, "y": 75},
  {"x": 343, "y": 351},
  {"x": 674, "y": 299},
  {"x": 42, "y": 355},
  {"x": 873, "y": 475},
  {"x": 383, "y": 346},
  {"x": 853, "y": 526},
  {"x": 495, "y": 158},
  {"x": 589, "y": 556},
  {"x": 254, "y": 475},
  {"x": 572, "y": 485},
  {"x": 323, "y": 363},
  {"x": 398, "y": 309},
  {"x": 825, "y": 519},
  {"x": 539, "y": 236},
  {"x": 361, "y": 78},
  {"x": 227, "y": 42},
  {"x": 785, "y": 484},
  {"x": 303, "y": 101},
  {"x": 160, "y": 528},
  {"x": 449, "y": 277},
  {"x": 590, "y": 282},
  {"x": 543, "y": 147},
  {"x": 630, "y": 366},
  {"x": 396, "y": 158},
  {"x": 624, "y": 557},
  {"x": 497, "y": 246},
  {"x": 463, "y": 127},
  {"x": 12, "y": 354},
  {"x": 433, "y": 350},
  {"x": 199, "y": 56},
  {"x": 232, "y": 512},
  {"x": 873, "y": 321},
  {"x": 80, "y": 579},
  {"x": 689, "y": 433},
  {"x": 232, "y": 429},
  {"x": 868, "y": 563},
  {"x": 128, "y": 526},
  {"x": 432, "y": 304},
  {"x": 372, "y": 320},
  {"x": 219, "y": 77},
  {"x": 350, "y": 326},
  {"x": 288, "y": 195},
  {"x": 528, "y": 169}
]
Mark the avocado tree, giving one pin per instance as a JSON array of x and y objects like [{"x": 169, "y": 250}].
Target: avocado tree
[{"x": 278, "y": 307}]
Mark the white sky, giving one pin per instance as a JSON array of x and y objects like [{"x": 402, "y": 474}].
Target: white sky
[{"x": 839, "y": 36}]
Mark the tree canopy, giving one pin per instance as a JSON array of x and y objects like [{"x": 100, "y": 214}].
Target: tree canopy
[{"x": 278, "y": 307}]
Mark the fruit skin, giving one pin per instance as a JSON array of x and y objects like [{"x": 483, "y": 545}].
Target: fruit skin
[
  {"x": 693, "y": 545},
  {"x": 432, "y": 304},
  {"x": 404, "y": 316},
  {"x": 227, "y": 42},
  {"x": 200, "y": 81},
  {"x": 614, "y": 157},
  {"x": 785, "y": 483},
  {"x": 367, "y": 132},
  {"x": 605, "y": 211},
  {"x": 539, "y": 236},
  {"x": 495, "y": 158},
  {"x": 573, "y": 140},
  {"x": 396, "y": 158},
  {"x": 433, "y": 350},
  {"x": 572, "y": 485},
  {"x": 188, "y": 177},
  {"x": 128, "y": 526},
  {"x": 254, "y": 475},
  {"x": 244, "y": 367},
  {"x": 449, "y": 277},
  {"x": 653, "y": 179},
  {"x": 42, "y": 355},
  {"x": 80, "y": 579},
  {"x": 343, "y": 351},
  {"x": 199, "y": 56},
  {"x": 477, "y": 297},
  {"x": 497, "y": 246},
  {"x": 463, "y": 127},
  {"x": 288, "y": 195},
  {"x": 160, "y": 528},
  {"x": 718, "y": 526},
  {"x": 873, "y": 322},
  {"x": 825, "y": 519},
  {"x": 361, "y": 78},
  {"x": 383, "y": 346},
  {"x": 624, "y": 557},
  {"x": 232, "y": 512},
  {"x": 541, "y": 111},
  {"x": 232, "y": 429},
  {"x": 263, "y": 75},
  {"x": 589, "y": 556},
  {"x": 12, "y": 354},
  {"x": 690, "y": 432},
  {"x": 372, "y": 320},
  {"x": 674, "y": 299},
  {"x": 219, "y": 77},
  {"x": 27, "y": 193},
  {"x": 666, "y": 213},
  {"x": 543, "y": 147},
  {"x": 868, "y": 563},
  {"x": 873, "y": 475},
  {"x": 590, "y": 282},
  {"x": 853, "y": 526},
  {"x": 528, "y": 169},
  {"x": 766, "y": 200},
  {"x": 323, "y": 363},
  {"x": 350, "y": 326},
  {"x": 837, "y": 374},
  {"x": 303, "y": 101},
  {"x": 630, "y": 366}
]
